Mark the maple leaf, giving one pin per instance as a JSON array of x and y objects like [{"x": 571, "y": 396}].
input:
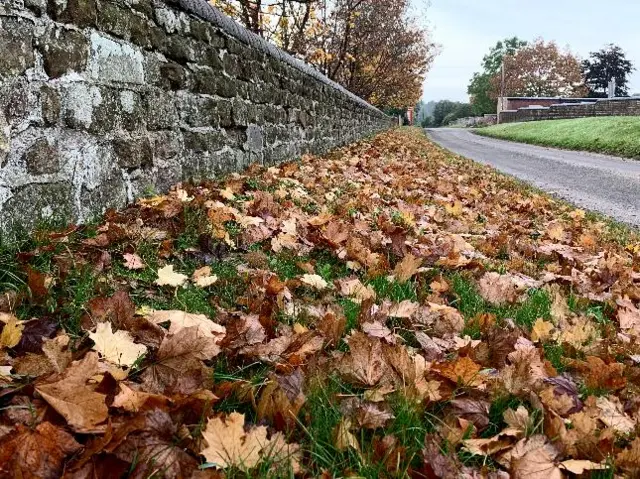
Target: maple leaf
[
  {"x": 228, "y": 444},
  {"x": 314, "y": 280},
  {"x": 612, "y": 415},
  {"x": 132, "y": 400},
  {"x": 365, "y": 363},
  {"x": 379, "y": 330},
  {"x": 167, "y": 277},
  {"x": 178, "y": 366},
  {"x": 356, "y": 290},
  {"x": 344, "y": 438},
  {"x": 407, "y": 268},
  {"x": 181, "y": 319},
  {"x": 504, "y": 288},
  {"x": 533, "y": 458},
  {"x": 462, "y": 370},
  {"x": 133, "y": 261},
  {"x": 36, "y": 453},
  {"x": 117, "y": 348},
  {"x": 541, "y": 330},
  {"x": 82, "y": 407}
]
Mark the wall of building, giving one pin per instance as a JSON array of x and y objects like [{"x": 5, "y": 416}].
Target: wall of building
[
  {"x": 585, "y": 108},
  {"x": 102, "y": 100}
]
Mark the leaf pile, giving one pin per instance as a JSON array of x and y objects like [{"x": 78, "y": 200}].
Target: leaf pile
[{"x": 386, "y": 311}]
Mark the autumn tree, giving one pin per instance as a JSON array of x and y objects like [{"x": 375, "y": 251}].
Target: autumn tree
[
  {"x": 372, "y": 47},
  {"x": 480, "y": 88},
  {"x": 290, "y": 24},
  {"x": 540, "y": 69},
  {"x": 602, "y": 66}
]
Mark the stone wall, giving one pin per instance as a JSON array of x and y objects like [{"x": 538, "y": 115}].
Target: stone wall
[
  {"x": 602, "y": 107},
  {"x": 102, "y": 100}
]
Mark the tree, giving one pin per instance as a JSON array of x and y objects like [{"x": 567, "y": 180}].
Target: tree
[
  {"x": 372, "y": 47},
  {"x": 540, "y": 69},
  {"x": 447, "y": 111},
  {"x": 480, "y": 87},
  {"x": 602, "y": 66}
]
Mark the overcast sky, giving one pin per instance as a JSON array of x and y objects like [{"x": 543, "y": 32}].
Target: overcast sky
[{"x": 467, "y": 29}]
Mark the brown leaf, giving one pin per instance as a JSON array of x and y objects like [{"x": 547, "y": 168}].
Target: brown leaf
[
  {"x": 407, "y": 268},
  {"x": 364, "y": 365},
  {"x": 463, "y": 370},
  {"x": 36, "y": 453},
  {"x": 178, "y": 367},
  {"x": 228, "y": 444},
  {"x": 82, "y": 407}
]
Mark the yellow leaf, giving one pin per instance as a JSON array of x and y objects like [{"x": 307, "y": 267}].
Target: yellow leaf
[
  {"x": 541, "y": 330},
  {"x": 117, "y": 348},
  {"x": 228, "y": 444},
  {"x": 11, "y": 333}
]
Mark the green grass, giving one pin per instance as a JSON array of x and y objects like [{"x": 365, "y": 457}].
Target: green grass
[{"x": 615, "y": 135}]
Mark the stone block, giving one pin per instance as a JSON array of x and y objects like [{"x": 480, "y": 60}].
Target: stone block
[
  {"x": 16, "y": 38},
  {"x": 113, "y": 61},
  {"x": 82, "y": 13},
  {"x": 41, "y": 158},
  {"x": 133, "y": 152},
  {"x": 48, "y": 200},
  {"x": 255, "y": 140},
  {"x": 64, "y": 51},
  {"x": 161, "y": 112},
  {"x": 50, "y": 105},
  {"x": 204, "y": 141}
]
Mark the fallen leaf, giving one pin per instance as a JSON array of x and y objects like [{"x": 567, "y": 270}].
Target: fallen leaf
[
  {"x": 541, "y": 330},
  {"x": 315, "y": 281},
  {"x": 167, "y": 277},
  {"x": 203, "y": 278},
  {"x": 407, "y": 268},
  {"x": 36, "y": 453},
  {"x": 228, "y": 444},
  {"x": 82, "y": 407},
  {"x": 11, "y": 333},
  {"x": 117, "y": 348},
  {"x": 133, "y": 261}
]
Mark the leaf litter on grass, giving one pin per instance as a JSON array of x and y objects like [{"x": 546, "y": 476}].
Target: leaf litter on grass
[{"x": 389, "y": 310}]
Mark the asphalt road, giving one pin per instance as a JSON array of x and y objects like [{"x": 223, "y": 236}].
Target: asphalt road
[{"x": 606, "y": 184}]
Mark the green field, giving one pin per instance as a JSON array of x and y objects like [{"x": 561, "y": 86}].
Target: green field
[{"x": 616, "y": 135}]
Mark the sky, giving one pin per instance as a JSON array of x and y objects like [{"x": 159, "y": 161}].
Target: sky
[{"x": 467, "y": 29}]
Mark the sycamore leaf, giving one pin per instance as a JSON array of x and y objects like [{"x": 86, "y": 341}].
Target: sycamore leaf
[
  {"x": 167, "y": 277},
  {"x": 82, "y": 407},
  {"x": 228, "y": 444},
  {"x": 117, "y": 348}
]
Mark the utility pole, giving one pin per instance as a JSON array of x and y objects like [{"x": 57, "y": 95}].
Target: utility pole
[{"x": 612, "y": 88}]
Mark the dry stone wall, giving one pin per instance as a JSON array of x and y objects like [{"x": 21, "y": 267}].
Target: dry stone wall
[
  {"x": 603, "y": 107},
  {"x": 102, "y": 100}
]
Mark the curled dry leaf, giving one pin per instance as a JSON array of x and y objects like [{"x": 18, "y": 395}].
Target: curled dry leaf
[{"x": 315, "y": 281}]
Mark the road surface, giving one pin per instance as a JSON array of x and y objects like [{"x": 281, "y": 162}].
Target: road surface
[{"x": 601, "y": 183}]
